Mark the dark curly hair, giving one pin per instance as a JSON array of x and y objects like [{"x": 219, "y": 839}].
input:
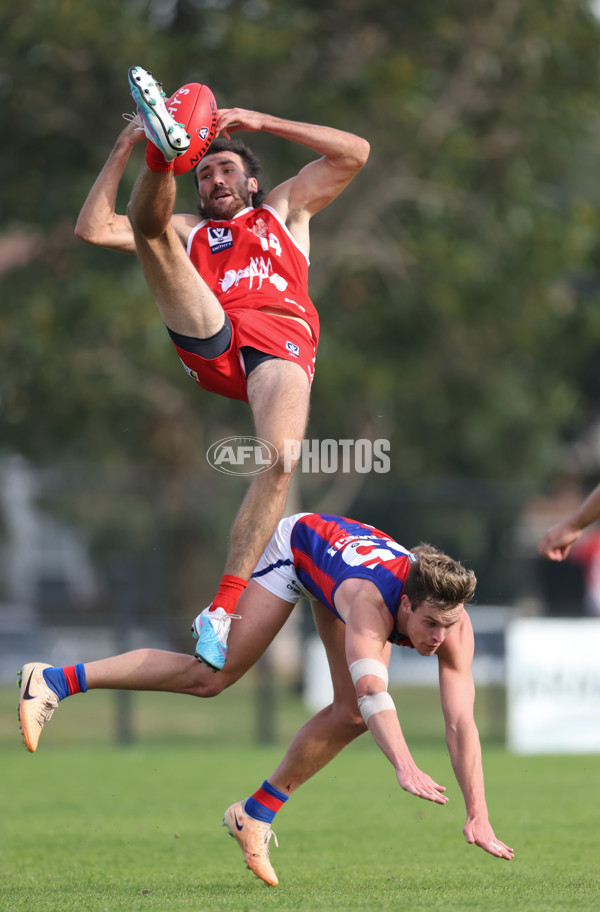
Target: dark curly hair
[{"x": 252, "y": 166}]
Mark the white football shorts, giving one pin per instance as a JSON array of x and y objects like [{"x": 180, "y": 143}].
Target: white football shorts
[{"x": 275, "y": 569}]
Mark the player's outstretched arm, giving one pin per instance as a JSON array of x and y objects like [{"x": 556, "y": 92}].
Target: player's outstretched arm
[
  {"x": 458, "y": 695},
  {"x": 317, "y": 184},
  {"x": 368, "y": 625},
  {"x": 557, "y": 541},
  {"x": 98, "y": 223}
]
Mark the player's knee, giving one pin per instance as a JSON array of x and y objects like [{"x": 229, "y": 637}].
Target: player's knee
[
  {"x": 130, "y": 211},
  {"x": 357, "y": 724},
  {"x": 210, "y": 684},
  {"x": 285, "y": 466},
  {"x": 209, "y": 687},
  {"x": 145, "y": 228},
  {"x": 350, "y": 719}
]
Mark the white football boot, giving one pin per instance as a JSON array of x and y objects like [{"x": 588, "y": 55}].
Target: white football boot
[{"x": 170, "y": 137}]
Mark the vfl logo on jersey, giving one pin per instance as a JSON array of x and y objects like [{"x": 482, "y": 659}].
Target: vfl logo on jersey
[
  {"x": 293, "y": 349},
  {"x": 219, "y": 239}
]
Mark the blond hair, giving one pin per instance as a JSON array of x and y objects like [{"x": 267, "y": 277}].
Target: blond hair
[{"x": 438, "y": 579}]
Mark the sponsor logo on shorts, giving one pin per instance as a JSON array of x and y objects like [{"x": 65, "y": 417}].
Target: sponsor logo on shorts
[
  {"x": 191, "y": 373},
  {"x": 242, "y": 455},
  {"x": 219, "y": 239},
  {"x": 293, "y": 349}
]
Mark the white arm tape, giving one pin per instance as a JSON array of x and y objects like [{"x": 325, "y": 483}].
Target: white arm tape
[
  {"x": 375, "y": 703},
  {"x": 374, "y": 667}
]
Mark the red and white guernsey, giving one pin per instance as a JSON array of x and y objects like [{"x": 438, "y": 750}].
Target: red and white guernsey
[{"x": 252, "y": 261}]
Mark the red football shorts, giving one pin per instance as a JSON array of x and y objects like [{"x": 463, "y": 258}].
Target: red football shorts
[{"x": 278, "y": 336}]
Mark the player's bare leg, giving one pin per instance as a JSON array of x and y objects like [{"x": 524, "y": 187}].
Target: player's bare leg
[
  {"x": 278, "y": 392},
  {"x": 186, "y": 303},
  {"x": 155, "y": 669},
  {"x": 330, "y": 730},
  {"x": 160, "y": 670},
  {"x": 317, "y": 742}
]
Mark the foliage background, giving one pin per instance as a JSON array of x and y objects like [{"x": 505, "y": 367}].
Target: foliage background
[{"x": 456, "y": 278}]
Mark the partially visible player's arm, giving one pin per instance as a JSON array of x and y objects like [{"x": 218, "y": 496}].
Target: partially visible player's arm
[
  {"x": 98, "y": 223},
  {"x": 458, "y": 695},
  {"x": 368, "y": 625},
  {"x": 557, "y": 541},
  {"x": 342, "y": 154}
]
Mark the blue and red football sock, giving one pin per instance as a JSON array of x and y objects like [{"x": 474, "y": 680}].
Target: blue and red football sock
[
  {"x": 66, "y": 681},
  {"x": 264, "y": 803}
]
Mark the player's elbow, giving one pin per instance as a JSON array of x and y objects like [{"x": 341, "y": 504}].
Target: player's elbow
[
  {"x": 84, "y": 233},
  {"x": 81, "y": 233},
  {"x": 354, "y": 156},
  {"x": 361, "y": 152}
]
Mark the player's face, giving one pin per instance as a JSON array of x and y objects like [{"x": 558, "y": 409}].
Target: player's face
[
  {"x": 427, "y": 627},
  {"x": 223, "y": 185}
]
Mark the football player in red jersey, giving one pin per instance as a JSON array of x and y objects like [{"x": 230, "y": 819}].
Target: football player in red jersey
[
  {"x": 367, "y": 593},
  {"x": 231, "y": 287}
]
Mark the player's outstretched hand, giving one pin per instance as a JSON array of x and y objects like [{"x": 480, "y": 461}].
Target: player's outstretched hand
[
  {"x": 230, "y": 120},
  {"x": 557, "y": 541},
  {"x": 420, "y": 784},
  {"x": 482, "y": 834},
  {"x": 134, "y": 131}
]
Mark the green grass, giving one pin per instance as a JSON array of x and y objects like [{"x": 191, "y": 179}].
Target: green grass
[{"x": 98, "y": 828}]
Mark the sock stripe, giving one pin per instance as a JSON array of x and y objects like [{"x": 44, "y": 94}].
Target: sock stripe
[
  {"x": 67, "y": 680},
  {"x": 70, "y": 673},
  {"x": 265, "y": 802},
  {"x": 268, "y": 800}
]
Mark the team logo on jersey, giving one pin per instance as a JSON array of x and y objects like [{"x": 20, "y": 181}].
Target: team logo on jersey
[
  {"x": 293, "y": 349},
  {"x": 219, "y": 239}
]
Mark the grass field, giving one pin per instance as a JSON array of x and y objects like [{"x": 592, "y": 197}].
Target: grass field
[{"x": 87, "y": 826}]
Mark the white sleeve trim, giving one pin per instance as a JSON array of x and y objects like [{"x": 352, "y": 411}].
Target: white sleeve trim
[{"x": 192, "y": 233}]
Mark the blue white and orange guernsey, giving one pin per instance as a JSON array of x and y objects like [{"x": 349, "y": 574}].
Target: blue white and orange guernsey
[{"x": 330, "y": 549}]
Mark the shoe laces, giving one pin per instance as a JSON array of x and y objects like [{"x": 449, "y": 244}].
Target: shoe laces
[
  {"x": 222, "y": 625},
  {"x": 134, "y": 118},
  {"x": 46, "y": 710},
  {"x": 264, "y": 833},
  {"x": 268, "y": 835}
]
